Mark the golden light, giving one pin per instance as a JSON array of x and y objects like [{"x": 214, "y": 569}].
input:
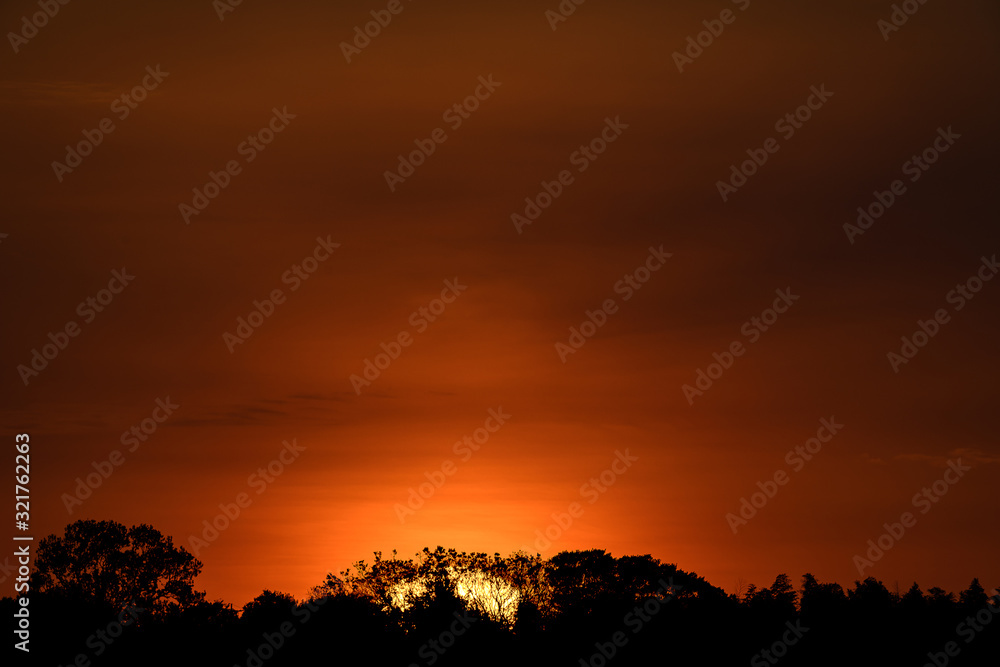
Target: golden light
[{"x": 491, "y": 596}]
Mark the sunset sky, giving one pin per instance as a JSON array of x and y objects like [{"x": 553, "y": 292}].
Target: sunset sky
[{"x": 609, "y": 67}]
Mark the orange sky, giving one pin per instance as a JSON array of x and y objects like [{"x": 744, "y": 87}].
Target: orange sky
[{"x": 323, "y": 176}]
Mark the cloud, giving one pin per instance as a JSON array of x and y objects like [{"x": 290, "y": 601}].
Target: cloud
[
  {"x": 55, "y": 93},
  {"x": 974, "y": 455},
  {"x": 268, "y": 410}
]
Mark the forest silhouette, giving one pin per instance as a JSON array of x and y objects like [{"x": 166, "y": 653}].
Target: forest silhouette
[{"x": 105, "y": 594}]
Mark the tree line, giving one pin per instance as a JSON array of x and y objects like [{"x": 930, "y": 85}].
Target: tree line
[{"x": 106, "y": 594}]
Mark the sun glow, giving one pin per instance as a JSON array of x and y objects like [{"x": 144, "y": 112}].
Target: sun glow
[{"x": 492, "y": 597}]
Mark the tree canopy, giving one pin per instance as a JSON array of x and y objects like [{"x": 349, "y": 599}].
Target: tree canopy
[{"x": 119, "y": 567}]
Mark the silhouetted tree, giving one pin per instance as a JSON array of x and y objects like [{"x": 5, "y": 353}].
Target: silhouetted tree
[
  {"x": 870, "y": 596},
  {"x": 519, "y": 609},
  {"x": 820, "y": 601},
  {"x": 332, "y": 586},
  {"x": 939, "y": 600},
  {"x": 913, "y": 599},
  {"x": 110, "y": 564},
  {"x": 269, "y": 609},
  {"x": 778, "y": 600},
  {"x": 385, "y": 581},
  {"x": 783, "y": 594},
  {"x": 581, "y": 581},
  {"x": 973, "y": 598}
]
